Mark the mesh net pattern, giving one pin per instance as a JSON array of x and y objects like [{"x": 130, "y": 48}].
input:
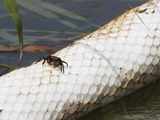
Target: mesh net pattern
[{"x": 115, "y": 60}]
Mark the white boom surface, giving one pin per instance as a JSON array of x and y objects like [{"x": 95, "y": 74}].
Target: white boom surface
[{"x": 113, "y": 61}]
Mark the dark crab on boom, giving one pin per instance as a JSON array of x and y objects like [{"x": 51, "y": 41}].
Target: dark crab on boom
[{"x": 54, "y": 61}]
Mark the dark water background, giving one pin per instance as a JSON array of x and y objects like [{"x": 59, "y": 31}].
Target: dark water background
[{"x": 38, "y": 30}]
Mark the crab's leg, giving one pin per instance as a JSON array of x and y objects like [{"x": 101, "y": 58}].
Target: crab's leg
[{"x": 65, "y": 63}]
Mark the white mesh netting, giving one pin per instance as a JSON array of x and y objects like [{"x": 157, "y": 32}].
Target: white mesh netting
[{"x": 115, "y": 60}]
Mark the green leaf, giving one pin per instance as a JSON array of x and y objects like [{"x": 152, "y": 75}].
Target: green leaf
[{"x": 12, "y": 8}]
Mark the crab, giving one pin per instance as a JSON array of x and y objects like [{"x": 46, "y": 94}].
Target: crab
[{"x": 54, "y": 61}]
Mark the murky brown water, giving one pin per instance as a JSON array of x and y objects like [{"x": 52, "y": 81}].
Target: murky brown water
[{"x": 142, "y": 105}]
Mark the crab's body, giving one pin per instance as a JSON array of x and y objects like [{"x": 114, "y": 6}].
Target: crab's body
[{"x": 55, "y": 62}]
